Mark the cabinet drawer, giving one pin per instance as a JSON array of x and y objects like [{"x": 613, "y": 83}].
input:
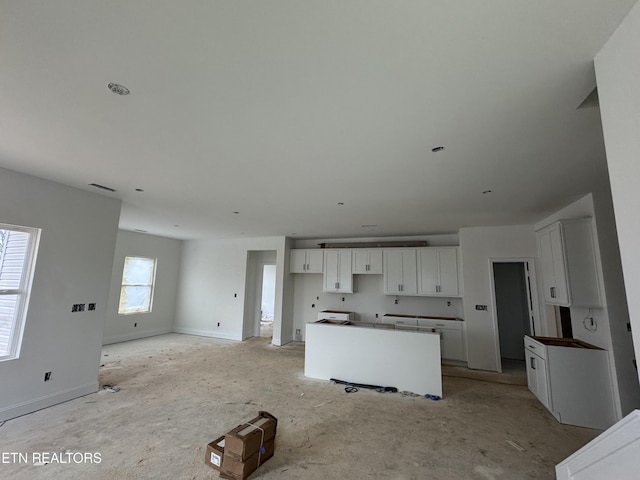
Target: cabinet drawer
[
  {"x": 440, "y": 324},
  {"x": 535, "y": 347}
]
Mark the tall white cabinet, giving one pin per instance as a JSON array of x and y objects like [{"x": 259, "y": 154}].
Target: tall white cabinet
[
  {"x": 569, "y": 271},
  {"x": 338, "y": 277},
  {"x": 438, "y": 271},
  {"x": 400, "y": 271}
]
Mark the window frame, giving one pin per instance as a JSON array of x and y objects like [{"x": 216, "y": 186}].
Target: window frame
[
  {"x": 23, "y": 292},
  {"x": 152, "y": 285}
]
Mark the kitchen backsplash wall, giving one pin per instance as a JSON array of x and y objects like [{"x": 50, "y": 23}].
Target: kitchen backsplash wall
[{"x": 366, "y": 301}]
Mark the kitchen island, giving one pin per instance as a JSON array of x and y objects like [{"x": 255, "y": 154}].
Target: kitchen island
[{"x": 376, "y": 354}]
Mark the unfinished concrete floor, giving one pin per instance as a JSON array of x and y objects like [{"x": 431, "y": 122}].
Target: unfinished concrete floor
[{"x": 180, "y": 392}]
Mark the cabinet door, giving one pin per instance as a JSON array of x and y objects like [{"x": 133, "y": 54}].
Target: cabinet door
[
  {"x": 546, "y": 260},
  {"x": 428, "y": 274},
  {"x": 409, "y": 272},
  {"x": 561, "y": 291},
  {"x": 298, "y": 261},
  {"x": 537, "y": 377},
  {"x": 448, "y": 268},
  {"x": 451, "y": 346},
  {"x": 375, "y": 262},
  {"x": 314, "y": 261},
  {"x": 337, "y": 271},
  {"x": 392, "y": 272},
  {"x": 360, "y": 261}
]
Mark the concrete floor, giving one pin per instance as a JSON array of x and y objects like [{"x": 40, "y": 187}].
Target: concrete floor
[{"x": 180, "y": 392}]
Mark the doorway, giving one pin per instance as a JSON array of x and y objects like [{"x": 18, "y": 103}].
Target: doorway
[
  {"x": 515, "y": 311},
  {"x": 267, "y": 301}
]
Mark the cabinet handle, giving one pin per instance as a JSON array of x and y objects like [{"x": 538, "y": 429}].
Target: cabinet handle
[
  {"x": 532, "y": 361},
  {"x": 308, "y": 267},
  {"x": 553, "y": 292}
]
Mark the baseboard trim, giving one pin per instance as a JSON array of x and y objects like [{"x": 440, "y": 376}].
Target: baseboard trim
[
  {"x": 135, "y": 336},
  {"x": 206, "y": 333},
  {"x": 33, "y": 405}
]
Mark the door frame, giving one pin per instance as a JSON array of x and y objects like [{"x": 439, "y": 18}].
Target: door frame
[
  {"x": 258, "y": 306},
  {"x": 534, "y": 310}
]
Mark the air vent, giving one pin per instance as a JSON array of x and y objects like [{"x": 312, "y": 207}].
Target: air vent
[{"x": 102, "y": 187}]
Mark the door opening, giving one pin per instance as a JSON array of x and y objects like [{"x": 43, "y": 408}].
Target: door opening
[
  {"x": 514, "y": 311},
  {"x": 267, "y": 302}
]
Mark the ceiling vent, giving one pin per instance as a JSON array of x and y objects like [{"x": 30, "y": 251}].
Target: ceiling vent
[{"x": 102, "y": 187}]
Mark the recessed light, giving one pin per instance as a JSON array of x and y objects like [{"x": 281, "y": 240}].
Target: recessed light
[
  {"x": 437, "y": 149},
  {"x": 139, "y": 190},
  {"x": 236, "y": 213},
  {"x": 176, "y": 225},
  {"x": 369, "y": 226},
  {"x": 340, "y": 203},
  {"x": 119, "y": 89},
  {"x": 242, "y": 233},
  {"x": 486, "y": 191}
]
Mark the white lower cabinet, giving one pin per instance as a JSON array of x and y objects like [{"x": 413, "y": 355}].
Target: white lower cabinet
[
  {"x": 451, "y": 331},
  {"x": 572, "y": 380}
]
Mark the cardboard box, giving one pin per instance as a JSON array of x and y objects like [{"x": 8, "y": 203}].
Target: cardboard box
[
  {"x": 215, "y": 453},
  {"x": 245, "y": 440},
  {"x": 234, "y": 469}
]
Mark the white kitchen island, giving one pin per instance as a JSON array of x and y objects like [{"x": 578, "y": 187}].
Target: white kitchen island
[{"x": 362, "y": 353}]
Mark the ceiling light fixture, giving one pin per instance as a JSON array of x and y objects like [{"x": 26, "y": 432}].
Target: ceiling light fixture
[
  {"x": 139, "y": 190},
  {"x": 340, "y": 203},
  {"x": 437, "y": 149},
  {"x": 486, "y": 191},
  {"x": 119, "y": 89},
  {"x": 236, "y": 213}
]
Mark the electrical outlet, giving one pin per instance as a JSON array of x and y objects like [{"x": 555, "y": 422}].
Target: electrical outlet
[
  {"x": 343, "y": 299},
  {"x": 376, "y": 315},
  {"x": 235, "y": 295},
  {"x": 313, "y": 305},
  {"x": 218, "y": 323},
  {"x": 297, "y": 331},
  {"x": 47, "y": 376},
  {"x": 135, "y": 325},
  {"x": 91, "y": 307},
  {"x": 448, "y": 303}
]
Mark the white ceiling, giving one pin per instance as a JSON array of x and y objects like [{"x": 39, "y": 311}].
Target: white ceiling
[{"x": 280, "y": 109}]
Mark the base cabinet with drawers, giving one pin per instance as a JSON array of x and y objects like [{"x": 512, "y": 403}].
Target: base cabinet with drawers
[
  {"x": 571, "y": 379},
  {"x": 450, "y": 329}
]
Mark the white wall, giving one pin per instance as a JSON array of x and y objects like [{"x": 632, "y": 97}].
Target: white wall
[
  {"x": 478, "y": 245},
  {"x": 119, "y": 328},
  {"x": 617, "y": 73},
  {"x": 73, "y": 266},
  {"x": 211, "y": 294}
]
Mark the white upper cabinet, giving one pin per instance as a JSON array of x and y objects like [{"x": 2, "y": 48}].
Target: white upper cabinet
[
  {"x": 438, "y": 271},
  {"x": 568, "y": 259},
  {"x": 367, "y": 261},
  {"x": 306, "y": 261},
  {"x": 400, "y": 271},
  {"x": 337, "y": 271}
]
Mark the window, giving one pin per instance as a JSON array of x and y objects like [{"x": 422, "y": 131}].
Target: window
[
  {"x": 136, "y": 294},
  {"x": 17, "y": 259}
]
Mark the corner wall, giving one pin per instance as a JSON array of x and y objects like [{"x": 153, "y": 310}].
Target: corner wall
[
  {"x": 120, "y": 328},
  {"x": 478, "y": 245},
  {"x": 73, "y": 265},
  {"x": 617, "y": 73}
]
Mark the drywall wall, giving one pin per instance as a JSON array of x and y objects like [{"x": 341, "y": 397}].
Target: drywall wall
[
  {"x": 478, "y": 246},
  {"x": 119, "y": 328},
  {"x": 617, "y": 73},
  {"x": 74, "y": 263},
  {"x": 212, "y": 287}
]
